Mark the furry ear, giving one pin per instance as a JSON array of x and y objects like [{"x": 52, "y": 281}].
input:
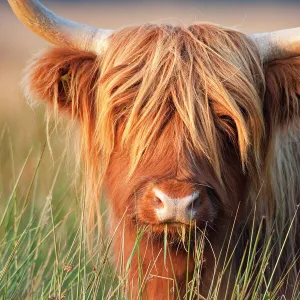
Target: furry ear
[
  {"x": 65, "y": 79},
  {"x": 282, "y": 92}
]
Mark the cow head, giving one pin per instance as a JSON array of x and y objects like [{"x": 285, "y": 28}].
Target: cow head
[{"x": 172, "y": 118}]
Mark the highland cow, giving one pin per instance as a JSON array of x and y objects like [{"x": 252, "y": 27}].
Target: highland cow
[{"x": 193, "y": 134}]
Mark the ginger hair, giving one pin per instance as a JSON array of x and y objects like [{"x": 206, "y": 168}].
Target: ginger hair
[{"x": 205, "y": 81}]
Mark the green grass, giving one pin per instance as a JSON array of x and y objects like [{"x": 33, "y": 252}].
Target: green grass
[
  {"x": 42, "y": 246},
  {"x": 43, "y": 253}
]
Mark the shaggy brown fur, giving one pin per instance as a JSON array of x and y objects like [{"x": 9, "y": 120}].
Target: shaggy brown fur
[{"x": 191, "y": 107}]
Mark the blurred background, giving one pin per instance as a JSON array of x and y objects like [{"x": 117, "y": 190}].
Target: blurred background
[{"x": 22, "y": 127}]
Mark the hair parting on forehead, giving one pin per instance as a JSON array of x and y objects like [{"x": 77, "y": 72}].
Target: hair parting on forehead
[{"x": 203, "y": 81}]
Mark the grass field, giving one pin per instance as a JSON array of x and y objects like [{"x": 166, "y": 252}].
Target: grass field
[
  {"x": 43, "y": 253},
  {"x": 42, "y": 247}
]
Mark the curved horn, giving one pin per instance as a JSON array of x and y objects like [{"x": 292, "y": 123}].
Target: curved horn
[
  {"x": 57, "y": 30},
  {"x": 279, "y": 44}
]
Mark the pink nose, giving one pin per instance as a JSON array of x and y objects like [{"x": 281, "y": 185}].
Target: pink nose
[{"x": 175, "y": 209}]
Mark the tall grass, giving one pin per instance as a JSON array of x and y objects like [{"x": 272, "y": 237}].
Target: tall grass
[
  {"x": 42, "y": 245},
  {"x": 43, "y": 251}
]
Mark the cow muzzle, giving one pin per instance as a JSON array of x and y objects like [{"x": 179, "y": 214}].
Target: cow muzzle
[
  {"x": 178, "y": 209},
  {"x": 176, "y": 202}
]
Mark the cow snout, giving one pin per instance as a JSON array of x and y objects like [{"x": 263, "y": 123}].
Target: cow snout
[
  {"x": 175, "y": 209},
  {"x": 175, "y": 201}
]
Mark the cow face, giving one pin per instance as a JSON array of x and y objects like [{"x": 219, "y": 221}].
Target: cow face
[
  {"x": 171, "y": 120},
  {"x": 171, "y": 186},
  {"x": 165, "y": 188},
  {"x": 183, "y": 127}
]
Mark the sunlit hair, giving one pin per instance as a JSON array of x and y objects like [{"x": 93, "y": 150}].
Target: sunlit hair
[{"x": 205, "y": 81}]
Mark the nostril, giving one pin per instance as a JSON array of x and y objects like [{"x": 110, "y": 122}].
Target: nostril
[
  {"x": 157, "y": 202},
  {"x": 196, "y": 202},
  {"x": 194, "y": 206}
]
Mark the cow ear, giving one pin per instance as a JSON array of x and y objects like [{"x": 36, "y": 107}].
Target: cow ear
[
  {"x": 65, "y": 79},
  {"x": 282, "y": 92}
]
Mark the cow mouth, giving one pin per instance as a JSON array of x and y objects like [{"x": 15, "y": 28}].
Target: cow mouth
[
  {"x": 175, "y": 232},
  {"x": 186, "y": 224}
]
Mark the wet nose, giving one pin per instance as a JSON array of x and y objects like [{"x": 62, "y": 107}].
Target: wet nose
[{"x": 176, "y": 209}]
